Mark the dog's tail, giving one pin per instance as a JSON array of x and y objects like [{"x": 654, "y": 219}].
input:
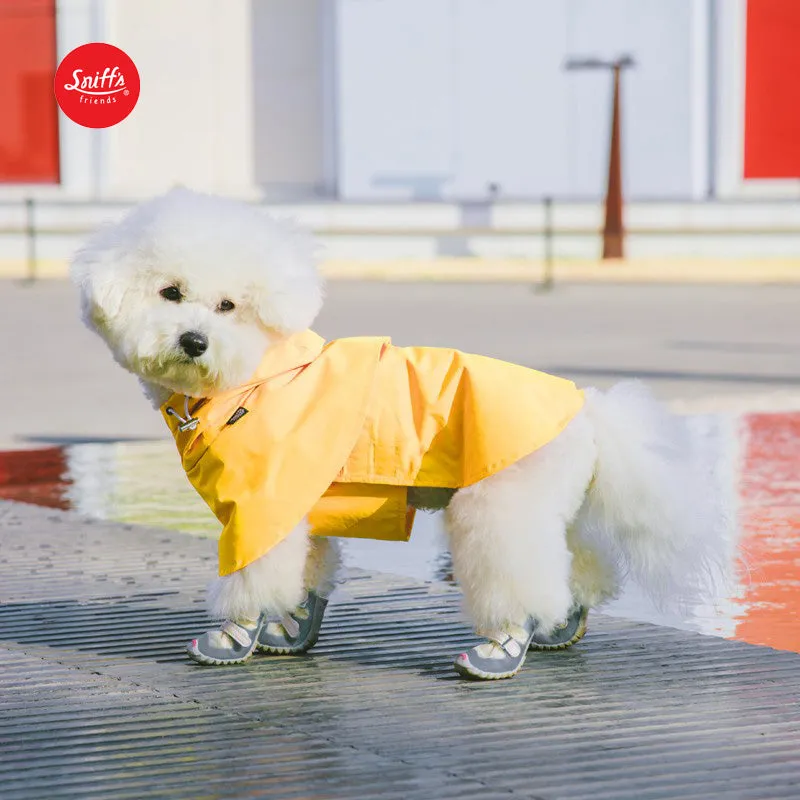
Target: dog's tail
[{"x": 658, "y": 500}]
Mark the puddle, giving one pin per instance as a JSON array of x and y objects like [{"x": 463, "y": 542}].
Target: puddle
[{"x": 142, "y": 483}]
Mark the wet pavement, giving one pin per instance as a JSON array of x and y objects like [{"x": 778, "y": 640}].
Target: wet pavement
[{"x": 98, "y": 700}]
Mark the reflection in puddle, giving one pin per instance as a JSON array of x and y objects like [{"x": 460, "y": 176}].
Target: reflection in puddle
[
  {"x": 143, "y": 483},
  {"x": 770, "y": 516}
]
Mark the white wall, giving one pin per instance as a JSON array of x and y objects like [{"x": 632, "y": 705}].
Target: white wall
[
  {"x": 231, "y": 97},
  {"x": 395, "y": 102},
  {"x": 440, "y": 98},
  {"x": 235, "y": 98},
  {"x": 193, "y": 121},
  {"x": 288, "y": 48},
  {"x": 657, "y": 119},
  {"x": 509, "y": 119},
  {"x": 80, "y": 149}
]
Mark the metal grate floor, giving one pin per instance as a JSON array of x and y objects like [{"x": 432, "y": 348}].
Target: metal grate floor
[{"x": 98, "y": 701}]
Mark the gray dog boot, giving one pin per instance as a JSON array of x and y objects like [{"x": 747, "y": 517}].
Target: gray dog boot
[
  {"x": 570, "y": 631},
  {"x": 297, "y": 632},
  {"x": 232, "y": 643},
  {"x": 500, "y": 657}
]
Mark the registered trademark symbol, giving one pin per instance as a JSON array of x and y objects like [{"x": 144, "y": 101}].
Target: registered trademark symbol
[{"x": 126, "y": 93}]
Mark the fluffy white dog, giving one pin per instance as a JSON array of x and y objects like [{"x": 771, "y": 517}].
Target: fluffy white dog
[{"x": 191, "y": 291}]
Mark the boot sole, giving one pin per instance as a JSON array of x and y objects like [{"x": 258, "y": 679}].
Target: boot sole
[
  {"x": 288, "y": 651},
  {"x": 473, "y": 673},
  {"x": 209, "y": 661}
]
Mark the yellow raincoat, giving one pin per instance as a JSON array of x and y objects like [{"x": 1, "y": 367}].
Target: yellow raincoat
[{"x": 338, "y": 431}]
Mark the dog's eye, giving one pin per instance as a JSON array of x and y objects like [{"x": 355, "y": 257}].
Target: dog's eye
[
  {"x": 172, "y": 293},
  {"x": 225, "y": 305}
]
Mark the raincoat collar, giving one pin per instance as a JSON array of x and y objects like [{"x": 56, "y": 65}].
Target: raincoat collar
[
  {"x": 284, "y": 356},
  {"x": 293, "y": 352}
]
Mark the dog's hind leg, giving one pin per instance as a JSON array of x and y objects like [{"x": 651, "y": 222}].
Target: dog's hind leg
[
  {"x": 508, "y": 533},
  {"x": 508, "y": 540},
  {"x": 596, "y": 574},
  {"x": 322, "y": 565}
]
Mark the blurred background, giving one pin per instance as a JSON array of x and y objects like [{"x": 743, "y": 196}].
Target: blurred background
[
  {"x": 418, "y": 129},
  {"x": 449, "y": 162}
]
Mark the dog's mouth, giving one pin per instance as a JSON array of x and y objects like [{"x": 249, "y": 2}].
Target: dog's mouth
[
  {"x": 185, "y": 360},
  {"x": 178, "y": 372}
]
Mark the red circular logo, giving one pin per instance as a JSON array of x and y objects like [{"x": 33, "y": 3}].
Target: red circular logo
[{"x": 97, "y": 85}]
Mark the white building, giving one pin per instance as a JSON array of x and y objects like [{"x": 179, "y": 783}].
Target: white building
[{"x": 367, "y": 100}]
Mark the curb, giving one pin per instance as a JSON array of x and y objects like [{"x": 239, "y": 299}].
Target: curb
[{"x": 665, "y": 270}]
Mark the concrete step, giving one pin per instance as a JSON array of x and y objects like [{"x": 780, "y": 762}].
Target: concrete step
[
  {"x": 428, "y": 230},
  {"x": 440, "y": 218}
]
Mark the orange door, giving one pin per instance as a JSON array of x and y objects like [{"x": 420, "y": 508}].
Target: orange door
[
  {"x": 772, "y": 90},
  {"x": 28, "y": 116}
]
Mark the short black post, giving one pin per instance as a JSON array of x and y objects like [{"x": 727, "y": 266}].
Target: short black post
[
  {"x": 30, "y": 238},
  {"x": 548, "y": 280}
]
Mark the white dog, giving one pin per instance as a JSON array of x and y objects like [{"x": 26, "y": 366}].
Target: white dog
[{"x": 190, "y": 291}]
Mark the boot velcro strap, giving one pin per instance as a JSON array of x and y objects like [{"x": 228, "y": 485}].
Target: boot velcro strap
[
  {"x": 237, "y": 633},
  {"x": 508, "y": 643}
]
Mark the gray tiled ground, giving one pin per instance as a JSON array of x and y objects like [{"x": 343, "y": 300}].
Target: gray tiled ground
[{"x": 97, "y": 700}]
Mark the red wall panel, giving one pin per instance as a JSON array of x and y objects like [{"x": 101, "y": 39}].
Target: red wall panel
[
  {"x": 28, "y": 113},
  {"x": 772, "y": 90}
]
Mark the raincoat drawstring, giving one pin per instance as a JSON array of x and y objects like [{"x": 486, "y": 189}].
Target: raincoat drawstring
[{"x": 188, "y": 423}]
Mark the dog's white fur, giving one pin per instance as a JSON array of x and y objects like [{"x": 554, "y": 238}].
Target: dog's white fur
[{"x": 622, "y": 492}]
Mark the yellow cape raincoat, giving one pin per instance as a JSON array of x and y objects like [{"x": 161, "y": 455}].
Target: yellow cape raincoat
[{"x": 338, "y": 431}]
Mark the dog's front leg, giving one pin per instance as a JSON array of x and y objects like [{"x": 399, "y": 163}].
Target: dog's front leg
[
  {"x": 271, "y": 586},
  {"x": 297, "y": 632}
]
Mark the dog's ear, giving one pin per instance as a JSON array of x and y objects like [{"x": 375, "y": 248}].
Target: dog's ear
[
  {"x": 289, "y": 294},
  {"x": 100, "y": 287}
]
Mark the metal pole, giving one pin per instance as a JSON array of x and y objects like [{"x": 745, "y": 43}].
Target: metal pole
[
  {"x": 548, "y": 281},
  {"x": 613, "y": 232},
  {"x": 30, "y": 238},
  {"x": 613, "y": 229}
]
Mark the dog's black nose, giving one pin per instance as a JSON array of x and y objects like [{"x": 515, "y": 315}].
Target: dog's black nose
[{"x": 193, "y": 343}]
